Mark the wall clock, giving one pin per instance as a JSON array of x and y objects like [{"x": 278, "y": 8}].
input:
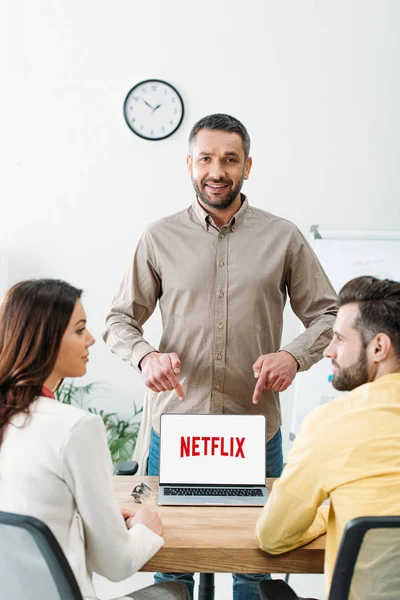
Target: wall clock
[{"x": 153, "y": 109}]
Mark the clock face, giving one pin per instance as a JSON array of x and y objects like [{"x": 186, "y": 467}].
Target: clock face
[{"x": 153, "y": 109}]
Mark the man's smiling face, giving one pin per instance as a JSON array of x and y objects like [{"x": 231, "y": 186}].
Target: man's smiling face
[{"x": 218, "y": 167}]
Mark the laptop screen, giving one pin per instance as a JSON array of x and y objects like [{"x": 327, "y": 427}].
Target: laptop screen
[{"x": 212, "y": 449}]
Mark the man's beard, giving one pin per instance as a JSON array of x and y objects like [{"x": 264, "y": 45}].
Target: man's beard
[
  {"x": 351, "y": 377},
  {"x": 224, "y": 202}
]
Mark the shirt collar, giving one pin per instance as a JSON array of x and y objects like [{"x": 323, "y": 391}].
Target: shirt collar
[
  {"x": 206, "y": 219},
  {"x": 392, "y": 377},
  {"x": 46, "y": 392}
]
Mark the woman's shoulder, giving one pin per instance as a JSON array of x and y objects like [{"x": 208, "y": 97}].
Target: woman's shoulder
[{"x": 62, "y": 416}]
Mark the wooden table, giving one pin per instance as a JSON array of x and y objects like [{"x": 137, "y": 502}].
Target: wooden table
[{"x": 217, "y": 539}]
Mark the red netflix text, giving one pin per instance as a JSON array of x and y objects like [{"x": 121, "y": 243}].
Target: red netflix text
[{"x": 211, "y": 446}]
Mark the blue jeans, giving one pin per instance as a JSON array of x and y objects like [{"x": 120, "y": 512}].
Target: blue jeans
[{"x": 245, "y": 586}]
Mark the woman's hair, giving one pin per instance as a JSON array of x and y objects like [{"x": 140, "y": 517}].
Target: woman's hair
[{"x": 33, "y": 318}]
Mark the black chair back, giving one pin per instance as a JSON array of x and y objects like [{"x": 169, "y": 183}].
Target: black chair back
[
  {"x": 368, "y": 562},
  {"x": 32, "y": 564}
]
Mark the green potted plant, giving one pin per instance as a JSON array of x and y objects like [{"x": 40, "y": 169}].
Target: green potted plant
[{"x": 121, "y": 433}]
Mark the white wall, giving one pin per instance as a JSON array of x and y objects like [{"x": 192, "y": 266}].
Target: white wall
[{"x": 316, "y": 83}]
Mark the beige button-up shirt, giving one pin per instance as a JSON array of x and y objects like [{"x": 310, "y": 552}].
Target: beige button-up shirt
[{"x": 221, "y": 294}]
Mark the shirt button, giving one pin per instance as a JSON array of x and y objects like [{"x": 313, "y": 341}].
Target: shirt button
[
  {"x": 221, "y": 235},
  {"x": 233, "y": 228},
  {"x": 217, "y": 387},
  {"x": 221, "y": 294},
  {"x": 220, "y": 326},
  {"x": 219, "y": 356},
  {"x": 221, "y": 263}
]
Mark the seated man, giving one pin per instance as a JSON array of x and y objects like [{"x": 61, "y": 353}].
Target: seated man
[{"x": 348, "y": 450}]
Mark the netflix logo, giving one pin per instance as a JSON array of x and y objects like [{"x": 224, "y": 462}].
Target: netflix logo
[{"x": 212, "y": 446}]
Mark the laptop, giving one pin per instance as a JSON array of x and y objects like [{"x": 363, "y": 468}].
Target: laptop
[{"x": 212, "y": 460}]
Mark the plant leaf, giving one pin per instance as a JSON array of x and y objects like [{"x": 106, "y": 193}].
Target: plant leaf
[{"x": 121, "y": 433}]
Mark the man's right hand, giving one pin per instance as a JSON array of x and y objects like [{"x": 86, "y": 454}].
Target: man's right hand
[
  {"x": 147, "y": 517},
  {"x": 159, "y": 372}
]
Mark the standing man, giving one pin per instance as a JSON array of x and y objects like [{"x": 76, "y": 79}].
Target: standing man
[{"x": 221, "y": 271}]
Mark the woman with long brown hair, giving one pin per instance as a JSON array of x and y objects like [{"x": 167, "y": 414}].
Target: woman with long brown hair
[{"x": 54, "y": 459}]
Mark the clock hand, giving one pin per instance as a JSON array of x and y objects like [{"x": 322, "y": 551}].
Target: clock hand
[
  {"x": 149, "y": 105},
  {"x": 154, "y": 109}
]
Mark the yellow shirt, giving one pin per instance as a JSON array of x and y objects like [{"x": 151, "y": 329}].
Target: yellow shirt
[{"x": 348, "y": 451}]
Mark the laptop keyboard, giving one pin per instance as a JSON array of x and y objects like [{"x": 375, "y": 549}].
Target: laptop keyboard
[{"x": 177, "y": 491}]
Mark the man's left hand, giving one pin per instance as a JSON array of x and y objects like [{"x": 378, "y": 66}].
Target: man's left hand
[{"x": 274, "y": 372}]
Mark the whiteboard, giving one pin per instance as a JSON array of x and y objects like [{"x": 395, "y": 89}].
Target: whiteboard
[{"x": 344, "y": 254}]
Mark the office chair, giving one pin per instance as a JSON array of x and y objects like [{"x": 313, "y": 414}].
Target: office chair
[
  {"x": 32, "y": 564},
  {"x": 126, "y": 467},
  {"x": 367, "y": 565}
]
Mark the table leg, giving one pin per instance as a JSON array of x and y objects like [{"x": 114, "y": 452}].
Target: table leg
[{"x": 206, "y": 587}]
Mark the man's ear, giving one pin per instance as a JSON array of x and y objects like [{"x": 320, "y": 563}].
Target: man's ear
[
  {"x": 247, "y": 167},
  {"x": 189, "y": 162},
  {"x": 380, "y": 347}
]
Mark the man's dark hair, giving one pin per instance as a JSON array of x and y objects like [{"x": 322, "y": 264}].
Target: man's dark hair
[
  {"x": 379, "y": 307},
  {"x": 221, "y": 122}
]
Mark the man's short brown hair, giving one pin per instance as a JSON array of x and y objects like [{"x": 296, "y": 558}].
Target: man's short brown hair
[{"x": 379, "y": 307}]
